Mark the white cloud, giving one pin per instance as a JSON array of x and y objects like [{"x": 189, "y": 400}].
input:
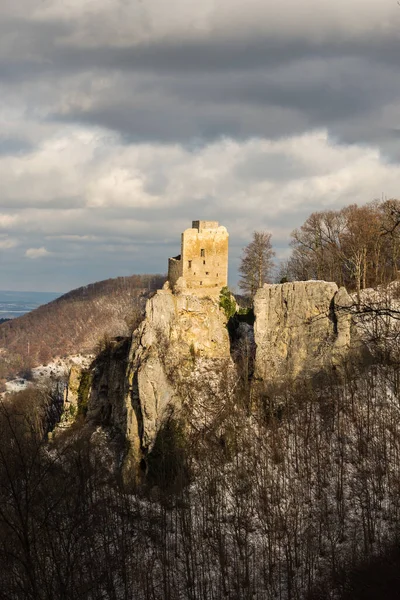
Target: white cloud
[
  {"x": 119, "y": 187},
  {"x": 7, "y": 221},
  {"x": 134, "y": 190},
  {"x": 52, "y": 170},
  {"x": 8, "y": 243},
  {"x": 37, "y": 252}
]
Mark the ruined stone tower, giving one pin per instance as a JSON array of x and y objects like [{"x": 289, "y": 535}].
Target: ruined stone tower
[{"x": 202, "y": 265}]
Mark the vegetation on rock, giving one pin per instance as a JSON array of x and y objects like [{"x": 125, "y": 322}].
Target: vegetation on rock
[
  {"x": 227, "y": 302},
  {"x": 84, "y": 392}
]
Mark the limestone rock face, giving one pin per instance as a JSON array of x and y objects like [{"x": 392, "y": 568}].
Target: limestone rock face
[
  {"x": 71, "y": 396},
  {"x": 343, "y": 304},
  {"x": 300, "y": 327},
  {"x": 178, "y": 363},
  {"x": 181, "y": 346},
  {"x": 74, "y": 382}
]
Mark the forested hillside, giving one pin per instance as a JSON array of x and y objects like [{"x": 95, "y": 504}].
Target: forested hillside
[
  {"x": 284, "y": 497},
  {"x": 75, "y": 322}
]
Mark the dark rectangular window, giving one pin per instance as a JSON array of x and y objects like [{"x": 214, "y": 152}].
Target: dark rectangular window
[
  {"x": 202, "y": 252},
  {"x": 207, "y": 273},
  {"x": 201, "y": 283},
  {"x": 190, "y": 264},
  {"x": 204, "y": 262}
]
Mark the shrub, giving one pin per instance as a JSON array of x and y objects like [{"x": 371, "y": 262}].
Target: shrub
[{"x": 227, "y": 302}]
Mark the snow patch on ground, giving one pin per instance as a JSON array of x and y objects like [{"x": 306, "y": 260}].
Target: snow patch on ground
[{"x": 56, "y": 370}]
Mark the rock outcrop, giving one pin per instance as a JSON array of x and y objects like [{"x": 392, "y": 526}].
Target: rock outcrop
[
  {"x": 178, "y": 364},
  {"x": 300, "y": 328},
  {"x": 71, "y": 396},
  {"x": 179, "y": 355}
]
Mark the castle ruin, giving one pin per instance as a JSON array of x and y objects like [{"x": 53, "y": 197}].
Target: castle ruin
[{"x": 203, "y": 263}]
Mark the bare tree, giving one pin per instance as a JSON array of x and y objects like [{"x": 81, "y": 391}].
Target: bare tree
[
  {"x": 356, "y": 246},
  {"x": 256, "y": 263}
]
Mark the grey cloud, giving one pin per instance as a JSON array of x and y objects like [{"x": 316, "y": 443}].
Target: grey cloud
[
  {"x": 212, "y": 56},
  {"x": 275, "y": 167},
  {"x": 188, "y": 93},
  {"x": 272, "y": 86},
  {"x": 340, "y": 94},
  {"x": 57, "y": 204}
]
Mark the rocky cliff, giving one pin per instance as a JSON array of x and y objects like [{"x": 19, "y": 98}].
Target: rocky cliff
[
  {"x": 178, "y": 364},
  {"x": 300, "y": 328},
  {"x": 179, "y": 356}
]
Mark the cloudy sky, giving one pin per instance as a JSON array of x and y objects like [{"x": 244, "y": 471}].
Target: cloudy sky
[{"x": 123, "y": 120}]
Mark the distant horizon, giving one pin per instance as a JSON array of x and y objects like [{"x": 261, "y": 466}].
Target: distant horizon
[
  {"x": 16, "y": 303},
  {"x": 32, "y": 292},
  {"x": 49, "y": 295},
  {"x": 83, "y": 282}
]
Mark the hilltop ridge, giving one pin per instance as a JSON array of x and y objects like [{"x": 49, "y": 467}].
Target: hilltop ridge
[{"x": 74, "y": 322}]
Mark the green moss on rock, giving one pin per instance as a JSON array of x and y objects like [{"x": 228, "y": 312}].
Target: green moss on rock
[{"x": 84, "y": 392}]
